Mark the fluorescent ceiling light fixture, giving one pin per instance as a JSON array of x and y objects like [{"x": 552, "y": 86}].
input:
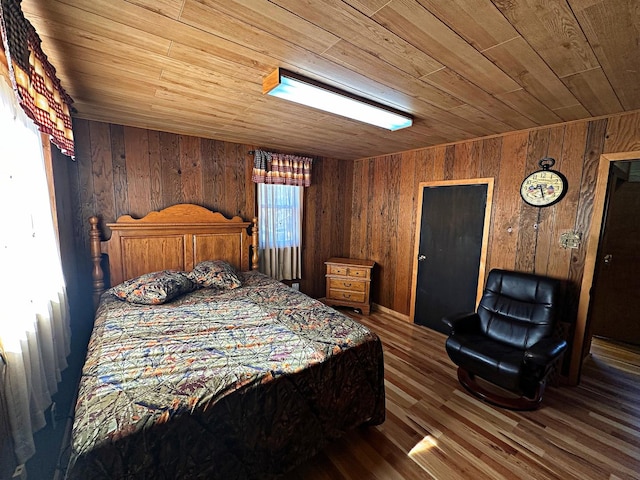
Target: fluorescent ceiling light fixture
[{"x": 291, "y": 86}]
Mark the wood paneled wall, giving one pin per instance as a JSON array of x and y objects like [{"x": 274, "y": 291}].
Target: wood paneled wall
[
  {"x": 521, "y": 237},
  {"x": 124, "y": 170}
]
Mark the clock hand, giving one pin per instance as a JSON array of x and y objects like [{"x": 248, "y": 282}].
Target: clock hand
[{"x": 541, "y": 190}]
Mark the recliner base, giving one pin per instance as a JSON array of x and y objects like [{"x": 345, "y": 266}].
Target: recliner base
[{"x": 468, "y": 381}]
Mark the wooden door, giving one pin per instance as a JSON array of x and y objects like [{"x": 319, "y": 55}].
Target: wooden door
[
  {"x": 615, "y": 310},
  {"x": 451, "y": 249}
]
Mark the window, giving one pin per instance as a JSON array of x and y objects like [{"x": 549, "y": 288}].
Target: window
[
  {"x": 280, "y": 230},
  {"x": 34, "y": 321}
]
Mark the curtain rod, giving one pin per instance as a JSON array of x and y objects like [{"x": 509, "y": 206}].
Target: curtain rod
[{"x": 252, "y": 152}]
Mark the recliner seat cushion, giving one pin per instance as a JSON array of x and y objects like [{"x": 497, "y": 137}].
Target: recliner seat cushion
[{"x": 499, "y": 363}]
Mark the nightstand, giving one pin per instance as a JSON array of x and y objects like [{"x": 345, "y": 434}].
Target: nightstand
[{"x": 349, "y": 283}]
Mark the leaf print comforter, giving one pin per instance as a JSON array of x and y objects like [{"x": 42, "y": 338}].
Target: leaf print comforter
[{"x": 221, "y": 384}]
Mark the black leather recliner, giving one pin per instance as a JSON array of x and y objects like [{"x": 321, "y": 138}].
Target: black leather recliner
[{"x": 510, "y": 341}]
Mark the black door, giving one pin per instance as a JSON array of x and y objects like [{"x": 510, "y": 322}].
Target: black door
[{"x": 450, "y": 249}]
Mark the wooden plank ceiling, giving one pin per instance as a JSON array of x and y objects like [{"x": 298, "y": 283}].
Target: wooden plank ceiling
[{"x": 463, "y": 68}]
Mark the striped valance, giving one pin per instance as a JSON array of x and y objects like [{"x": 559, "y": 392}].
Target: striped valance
[
  {"x": 281, "y": 169},
  {"x": 34, "y": 79}
]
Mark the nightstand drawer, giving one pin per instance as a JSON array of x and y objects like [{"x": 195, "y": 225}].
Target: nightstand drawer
[
  {"x": 358, "y": 272},
  {"x": 337, "y": 270},
  {"x": 348, "y": 271},
  {"x": 346, "y": 295},
  {"x": 351, "y": 285}
]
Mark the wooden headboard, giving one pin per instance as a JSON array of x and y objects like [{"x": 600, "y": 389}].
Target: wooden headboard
[{"x": 177, "y": 237}]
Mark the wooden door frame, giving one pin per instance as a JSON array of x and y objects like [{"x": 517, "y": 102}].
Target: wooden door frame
[
  {"x": 592, "y": 244},
  {"x": 488, "y": 181}
]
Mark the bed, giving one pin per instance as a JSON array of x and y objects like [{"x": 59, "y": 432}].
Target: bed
[{"x": 221, "y": 381}]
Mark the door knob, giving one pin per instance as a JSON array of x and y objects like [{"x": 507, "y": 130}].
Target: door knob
[
  {"x": 607, "y": 259},
  {"x": 422, "y": 258}
]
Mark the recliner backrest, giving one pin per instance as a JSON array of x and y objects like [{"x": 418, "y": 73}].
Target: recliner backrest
[{"x": 518, "y": 308}]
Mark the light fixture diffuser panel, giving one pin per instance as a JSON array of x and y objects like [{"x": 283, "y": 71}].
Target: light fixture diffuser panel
[{"x": 328, "y": 100}]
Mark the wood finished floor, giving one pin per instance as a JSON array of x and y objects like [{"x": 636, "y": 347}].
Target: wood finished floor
[{"x": 434, "y": 429}]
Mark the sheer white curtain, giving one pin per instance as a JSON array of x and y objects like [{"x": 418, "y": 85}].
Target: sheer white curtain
[
  {"x": 34, "y": 320},
  {"x": 280, "y": 227}
]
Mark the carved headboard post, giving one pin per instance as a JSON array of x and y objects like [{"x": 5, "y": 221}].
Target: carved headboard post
[
  {"x": 254, "y": 244},
  {"x": 95, "y": 239}
]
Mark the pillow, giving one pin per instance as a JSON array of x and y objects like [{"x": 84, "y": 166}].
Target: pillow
[
  {"x": 215, "y": 274},
  {"x": 154, "y": 288}
]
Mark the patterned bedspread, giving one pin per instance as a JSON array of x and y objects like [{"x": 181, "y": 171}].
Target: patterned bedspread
[{"x": 242, "y": 383}]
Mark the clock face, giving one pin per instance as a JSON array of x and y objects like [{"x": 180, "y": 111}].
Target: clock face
[{"x": 543, "y": 188}]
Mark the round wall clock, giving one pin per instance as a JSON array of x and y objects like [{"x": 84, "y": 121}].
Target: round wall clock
[{"x": 544, "y": 187}]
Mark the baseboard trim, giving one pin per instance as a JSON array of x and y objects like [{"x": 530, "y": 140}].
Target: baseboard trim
[{"x": 393, "y": 313}]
